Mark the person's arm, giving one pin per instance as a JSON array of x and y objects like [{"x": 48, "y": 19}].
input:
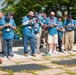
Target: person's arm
[
  {"x": 3, "y": 26},
  {"x": 13, "y": 25},
  {"x": 25, "y": 21},
  {"x": 55, "y": 22}
]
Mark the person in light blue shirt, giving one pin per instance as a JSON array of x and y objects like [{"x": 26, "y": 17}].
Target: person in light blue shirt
[
  {"x": 39, "y": 20},
  {"x": 52, "y": 32},
  {"x": 69, "y": 25},
  {"x": 44, "y": 31},
  {"x": 7, "y": 29},
  {"x": 60, "y": 33},
  {"x": 29, "y": 28}
]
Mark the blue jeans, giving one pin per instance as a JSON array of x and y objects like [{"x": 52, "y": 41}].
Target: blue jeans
[
  {"x": 32, "y": 43},
  {"x": 7, "y": 46}
]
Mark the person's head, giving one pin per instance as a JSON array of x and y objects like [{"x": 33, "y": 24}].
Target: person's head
[
  {"x": 41, "y": 13},
  {"x": 11, "y": 14},
  {"x": 31, "y": 14},
  {"x": 59, "y": 18},
  {"x": 44, "y": 16},
  {"x": 1, "y": 15},
  {"x": 52, "y": 14},
  {"x": 8, "y": 16},
  {"x": 35, "y": 14},
  {"x": 69, "y": 17}
]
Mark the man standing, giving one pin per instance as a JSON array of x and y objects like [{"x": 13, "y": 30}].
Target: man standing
[
  {"x": 60, "y": 33},
  {"x": 39, "y": 20},
  {"x": 28, "y": 32},
  {"x": 52, "y": 33},
  {"x": 7, "y": 35},
  {"x": 69, "y": 25}
]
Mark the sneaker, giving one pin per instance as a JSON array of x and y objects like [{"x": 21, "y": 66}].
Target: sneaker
[
  {"x": 26, "y": 55},
  {"x": 12, "y": 55},
  {"x": 34, "y": 55},
  {"x": 9, "y": 57},
  {"x": 50, "y": 53},
  {"x": 55, "y": 52},
  {"x": 65, "y": 52},
  {"x": 63, "y": 47},
  {"x": 70, "y": 52},
  {"x": 44, "y": 46},
  {"x": 5, "y": 56}
]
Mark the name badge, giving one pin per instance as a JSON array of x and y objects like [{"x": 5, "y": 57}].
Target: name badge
[
  {"x": 29, "y": 27},
  {"x": 35, "y": 29},
  {"x": 70, "y": 28},
  {"x": 8, "y": 29}
]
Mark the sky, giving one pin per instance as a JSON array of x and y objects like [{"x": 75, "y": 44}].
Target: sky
[{"x": 1, "y": 1}]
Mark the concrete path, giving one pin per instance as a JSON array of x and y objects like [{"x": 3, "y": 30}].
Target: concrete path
[{"x": 54, "y": 68}]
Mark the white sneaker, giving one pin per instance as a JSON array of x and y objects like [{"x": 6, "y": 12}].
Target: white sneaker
[
  {"x": 70, "y": 52},
  {"x": 50, "y": 52},
  {"x": 63, "y": 47},
  {"x": 44, "y": 46},
  {"x": 9, "y": 57},
  {"x": 65, "y": 52},
  {"x": 5, "y": 56},
  {"x": 55, "y": 52}
]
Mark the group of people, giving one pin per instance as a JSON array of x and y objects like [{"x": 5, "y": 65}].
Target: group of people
[{"x": 36, "y": 26}]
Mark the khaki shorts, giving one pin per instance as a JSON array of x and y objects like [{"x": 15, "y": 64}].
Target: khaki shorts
[{"x": 53, "y": 39}]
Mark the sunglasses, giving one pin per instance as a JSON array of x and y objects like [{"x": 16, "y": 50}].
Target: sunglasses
[{"x": 52, "y": 15}]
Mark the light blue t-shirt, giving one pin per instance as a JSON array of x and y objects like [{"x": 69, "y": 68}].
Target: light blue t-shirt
[
  {"x": 44, "y": 20},
  {"x": 8, "y": 33},
  {"x": 60, "y": 25},
  {"x": 66, "y": 22},
  {"x": 40, "y": 20},
  {"x": 51, "y": 31},
  {"x": 29, "y": 29}
]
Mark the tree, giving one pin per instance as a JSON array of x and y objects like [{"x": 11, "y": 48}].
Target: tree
[{"x": 22, "y": 7}]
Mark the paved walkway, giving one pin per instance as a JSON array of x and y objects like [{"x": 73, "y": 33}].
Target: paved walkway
[{"x": 54, "y": 68}]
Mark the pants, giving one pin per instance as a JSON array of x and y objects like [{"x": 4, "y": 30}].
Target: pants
[
  {"x": 60, "y": 35},
  {"x": 7, "y": 46},
  {"x": 32, "y": 43},
  {"x": 37, "y": 40},
  {"x": 69, "y": 40}
]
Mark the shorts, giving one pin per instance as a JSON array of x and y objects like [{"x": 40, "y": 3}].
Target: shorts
[{"x": 53, "y": 39}]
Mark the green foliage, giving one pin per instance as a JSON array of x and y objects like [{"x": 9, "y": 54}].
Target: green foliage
[{"x": 22, "y": 7}]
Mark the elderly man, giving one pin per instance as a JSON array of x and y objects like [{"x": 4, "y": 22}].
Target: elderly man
[
  {"x": 28, "y": 31},
  {"x": 52, "y": 33},
  {"x": 69, "y": 25}
]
